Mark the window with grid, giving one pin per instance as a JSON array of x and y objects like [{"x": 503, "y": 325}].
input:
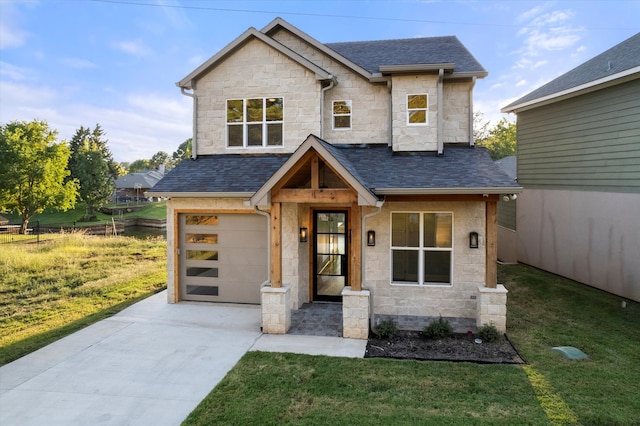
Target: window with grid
[
  {"x": 417, "y": 109},
  {"x": 341, "y": 112},
  {"x": 255, "y": 122},
  {"x": 421, "y": 248}
]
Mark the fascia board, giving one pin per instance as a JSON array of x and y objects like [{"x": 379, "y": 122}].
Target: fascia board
[
  {"x": 252, "y": 32},
  {"x": 279, "y": 22},
  {"x": 612, "y": 80},
  {"x": 411, "y": 68},
  {"x": 445, "y": 191}
]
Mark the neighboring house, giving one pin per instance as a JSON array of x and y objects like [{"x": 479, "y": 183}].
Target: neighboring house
[
  {"x": 338, "y": 172},
  {"x": 579, "y": 164},
  {"x": 132, "y": 187},
  {"x": 3, "y": 220},
  {"x": 507, "y": 241}
]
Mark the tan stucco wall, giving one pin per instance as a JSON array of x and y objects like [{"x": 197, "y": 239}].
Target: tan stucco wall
[
  {"x": 257, "y": 70},
  {"x": 209, "y": 205},
  {"x": 457, "y": 300},
  {"x": 591, "y": 237}
]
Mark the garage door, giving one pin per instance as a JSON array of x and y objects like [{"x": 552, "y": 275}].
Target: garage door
[{"x": 223, "y": 257}]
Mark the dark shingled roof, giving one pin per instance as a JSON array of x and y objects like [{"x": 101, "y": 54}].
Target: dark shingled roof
[
  {"x": 376, "y": 167},
  {"x": 370, "y": 55},
  {"x": 619, "y": 58},
  {"x": 221, "y": 173}
]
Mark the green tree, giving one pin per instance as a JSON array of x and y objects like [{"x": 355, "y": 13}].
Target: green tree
[
  {"x": 95, "y": 139},
  {"x": 92, "y": 165},
  {"x": 139, "y": 165},
  {"x": 500, "y": 140},
  {"x": 182, "y": 153},
  {"x": 34, "y": 169},
  {"x": 158, "y": 159}
]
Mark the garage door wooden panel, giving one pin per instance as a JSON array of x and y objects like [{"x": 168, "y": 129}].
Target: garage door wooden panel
[{"x": 223, "y": 257}]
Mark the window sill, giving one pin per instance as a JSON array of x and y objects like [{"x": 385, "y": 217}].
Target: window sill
[{"x": 439, "y": 285}]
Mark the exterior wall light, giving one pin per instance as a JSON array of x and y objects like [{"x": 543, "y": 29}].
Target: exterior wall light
[
  {"x": 473, "y": 240},
  {"x": 371, "y": 238},
  {"x": 304, "y": 235}
]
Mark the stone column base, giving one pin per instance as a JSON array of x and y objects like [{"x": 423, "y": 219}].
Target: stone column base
[
  {"x": 276, "y": 309},
  {"x": 492, "y": 307},
  {"x": 355, "y": 314}
]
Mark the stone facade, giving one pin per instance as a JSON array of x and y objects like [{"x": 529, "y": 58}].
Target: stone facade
[
  {"x": 355, "y": 314},
  {"x": 492, "y": 307},
  {"x": 455, "y": 300},
  {"x": 276, "y": 310}
]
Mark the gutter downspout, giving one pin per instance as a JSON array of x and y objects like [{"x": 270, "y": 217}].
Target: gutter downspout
[
  {"x": 363, "y": 244},
  {"x": 390, "y": 109},
  {"x": 268, "y": 216},
  {"x": 194, "y": 138},
  {"x": 440, "y": 107},
  {"x": 472, "y": 141},
  {"x": 324, "y": 89}
]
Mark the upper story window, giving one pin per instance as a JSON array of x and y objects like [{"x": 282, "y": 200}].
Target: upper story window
[
  {"x": 341, "y": 115},
  {"x": 421, "y": 248},
  {"x": 255, "y": 122},
  {"x": 417, "y": 108}
]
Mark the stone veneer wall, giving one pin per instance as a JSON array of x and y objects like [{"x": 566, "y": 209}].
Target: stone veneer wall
[
  {"x": 455, "y": 111},
  {"x": 257, "y": 70},
  {"x": 456, "y": 300}
]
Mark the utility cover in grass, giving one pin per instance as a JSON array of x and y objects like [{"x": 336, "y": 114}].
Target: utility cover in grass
[{"x": 570, "y": 352}]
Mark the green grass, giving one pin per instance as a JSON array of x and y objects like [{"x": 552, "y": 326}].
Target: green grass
[
  {"x": 148, "y": 210},
  {"x": 543, "y": 311},
  {"x": 50, "y": 290}
]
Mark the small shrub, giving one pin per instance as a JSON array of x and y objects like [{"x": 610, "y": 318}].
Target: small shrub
[
  {"x": 387, "y": 329},
  {"x": 489, "y": 333},
  {"x": 438, "y": 329}
]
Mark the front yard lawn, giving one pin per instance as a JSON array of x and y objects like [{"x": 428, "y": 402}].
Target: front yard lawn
[{"x": 543, "y": 311}]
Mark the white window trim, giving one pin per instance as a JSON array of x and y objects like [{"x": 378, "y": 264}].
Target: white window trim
[
  {"x": 420, "y": 249},
  {"x": 334, "y": 115},
  {"x": 409, "y": 110},
  {"x": 245, "y": 123}
]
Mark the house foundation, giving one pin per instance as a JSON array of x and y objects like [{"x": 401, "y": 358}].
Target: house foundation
[
  {"x": 492, "y": 307},
  {"x": 276, "y": 309},
  {"x": 355, "y": 313}
]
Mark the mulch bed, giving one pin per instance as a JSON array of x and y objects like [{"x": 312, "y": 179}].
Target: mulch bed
[{"x": 458, "y": 347}]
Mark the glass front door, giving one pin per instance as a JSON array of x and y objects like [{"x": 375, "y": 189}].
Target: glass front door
[{"x": 330, "y": 255}]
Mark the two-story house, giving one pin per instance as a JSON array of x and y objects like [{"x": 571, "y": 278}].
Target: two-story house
[{"x": 341, "y": 172}]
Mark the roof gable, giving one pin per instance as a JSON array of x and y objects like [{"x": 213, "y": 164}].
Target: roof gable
[
  {"x": 365, "y": 197},
  {"x": 251, "y": 33},
  {"x": 613, "y": 66}
]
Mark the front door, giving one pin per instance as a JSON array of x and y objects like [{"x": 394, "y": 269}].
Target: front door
[{"x": 330, "y": 254}]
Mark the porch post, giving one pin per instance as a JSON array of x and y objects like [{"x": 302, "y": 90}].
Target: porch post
[
  {"x": 276, "y": 246},
  {"x": 356, "y": 249},
  {"x": 492, "y": 298},
  {"x": 491, "y": 278}
]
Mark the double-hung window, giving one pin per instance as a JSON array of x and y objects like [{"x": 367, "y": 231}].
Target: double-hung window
[
  {"x": 421, "y": 248},
  {"x": 417, "y": 109},
  {"x": 341, "y": 115},
  {"x": 255, "y": 122}
]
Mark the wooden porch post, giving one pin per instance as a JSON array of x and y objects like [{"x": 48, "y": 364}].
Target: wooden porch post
[
  {"x": 491, "y": 279},
  {"x": 276, "y": 246},
  {"x": 356, "y": 248}
]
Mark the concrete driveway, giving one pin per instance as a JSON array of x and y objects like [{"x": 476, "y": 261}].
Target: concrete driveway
[{"x": 151, "y": 364}]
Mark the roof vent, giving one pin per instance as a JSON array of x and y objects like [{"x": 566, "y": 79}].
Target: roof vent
[{"x": 608, "y": 65}]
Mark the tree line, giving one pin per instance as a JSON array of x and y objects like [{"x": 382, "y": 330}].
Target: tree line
[{"x": 40, "y": 173}]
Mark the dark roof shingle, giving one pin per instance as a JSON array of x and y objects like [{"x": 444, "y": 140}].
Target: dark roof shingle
[{"x": 370, "y": 55}]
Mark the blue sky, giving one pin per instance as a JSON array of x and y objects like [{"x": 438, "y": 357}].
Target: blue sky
[{"x": 115, "y": 62}]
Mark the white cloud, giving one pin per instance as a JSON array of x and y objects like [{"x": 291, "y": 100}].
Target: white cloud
[
  {"x": 11, "y": 35},
  {"x": 132, "y": 47},
  {"x": 13, "y": 72},
  {"x": 521, "y": 83},
  {"x": 77, "y": 63}
]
